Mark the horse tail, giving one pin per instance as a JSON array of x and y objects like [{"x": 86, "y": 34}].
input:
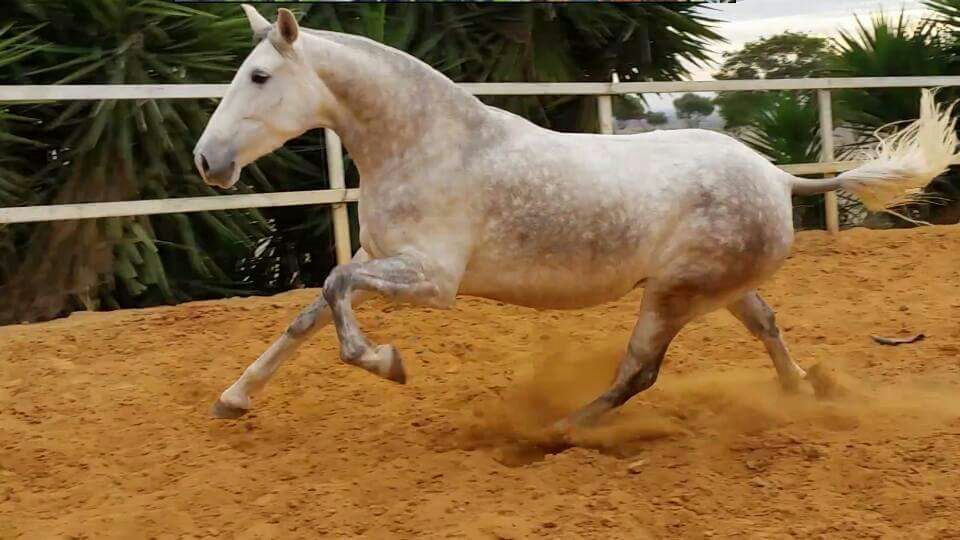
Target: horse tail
[{"x": 901, "y": 164}]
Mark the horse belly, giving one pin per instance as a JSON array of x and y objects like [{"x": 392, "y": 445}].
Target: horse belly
[
  {"x": 544, "y": 265},
  {"x": 547, "y": 243},
  {"x": 547, "y": 287}
]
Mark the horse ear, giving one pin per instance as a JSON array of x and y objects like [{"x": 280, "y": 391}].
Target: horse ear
[
  {"x": 258, "y": 23},
  {"x": 287, "y": 25}
]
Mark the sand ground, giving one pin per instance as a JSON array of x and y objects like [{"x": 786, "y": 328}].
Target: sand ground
[{"x": 104, "y": 427}]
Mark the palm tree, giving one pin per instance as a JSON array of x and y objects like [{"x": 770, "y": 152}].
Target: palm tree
[
  {"x": 16, "y": 44},
  {"x": 115, "y": 150},
  {"x": 946, "y": 17},
  {"x": 787, "y": 131},
  {"x": 888, "y": 47}
]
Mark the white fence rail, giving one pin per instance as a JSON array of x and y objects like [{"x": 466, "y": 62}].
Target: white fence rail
[
  {"x": 338, "y": 196},
  {"x": 73, "y": 92},
  {"x": 57, "y": 212}
]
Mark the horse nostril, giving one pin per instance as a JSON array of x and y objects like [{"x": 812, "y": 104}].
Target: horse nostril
[{"x": 204, "y": 164}]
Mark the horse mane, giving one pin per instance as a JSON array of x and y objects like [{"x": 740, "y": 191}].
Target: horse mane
[{"x": 405, "y": 63}]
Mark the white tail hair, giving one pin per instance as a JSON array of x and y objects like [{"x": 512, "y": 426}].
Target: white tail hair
[{"x": 907, "y": 160}]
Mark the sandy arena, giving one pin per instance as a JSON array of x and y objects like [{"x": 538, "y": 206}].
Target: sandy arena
[{"x": 105, "y": 432}]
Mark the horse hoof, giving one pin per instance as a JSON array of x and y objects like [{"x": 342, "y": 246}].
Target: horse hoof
[
  {"x": 791, "y": 381},
  {"x": 226, "y": 412},
  {"x": 559, "y": 434},
  {"x": 395, "y": 370},
  {"x": 790, "y": 386},
  {"x": 383, "y": 361},
  {"x": 827, "y": 382}
]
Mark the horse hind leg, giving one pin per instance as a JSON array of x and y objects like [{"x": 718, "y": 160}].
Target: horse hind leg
[
  {"x": 662, "y": 314},
  {"x": 760, "y": 320}
]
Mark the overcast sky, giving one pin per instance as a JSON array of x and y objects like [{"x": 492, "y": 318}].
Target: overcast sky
[{"x": 748, "y": 20}]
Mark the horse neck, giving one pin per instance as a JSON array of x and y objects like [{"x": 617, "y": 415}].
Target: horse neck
[{"x": 389, "y": 103}]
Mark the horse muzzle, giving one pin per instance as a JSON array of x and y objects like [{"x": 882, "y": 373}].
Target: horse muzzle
[{"x": 218, "y": 168}]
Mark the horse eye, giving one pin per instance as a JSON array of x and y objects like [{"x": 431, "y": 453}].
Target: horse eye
[{"x": 259, "y": 77}]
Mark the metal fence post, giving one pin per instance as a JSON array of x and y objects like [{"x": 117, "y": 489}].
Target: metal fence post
[
  {"x": 341, "y": 219},
  {"x": 831, "y": 208}
]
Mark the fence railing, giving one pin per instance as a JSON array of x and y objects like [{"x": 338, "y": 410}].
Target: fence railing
[{"x": 338, "y": 196}]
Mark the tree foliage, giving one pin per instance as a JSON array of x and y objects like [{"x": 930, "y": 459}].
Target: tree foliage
[
  {"x": 16, "y": 44},
  {"x": 656, "y": 118},
  {"x": 116, "y": 150},
  {"x": 693, "y": 108},
  {"x": 885, "y": 47},
  {"x": 787, "y": 130},
  {"x": 787, "y": 55},
  {"x": 629, "y": 106}
]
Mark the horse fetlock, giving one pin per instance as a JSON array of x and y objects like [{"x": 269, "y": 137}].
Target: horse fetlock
[
  {"x": 230, "y": 407},
  {"x": 382, "y": 360},
  {"x": 647, "y": 377},
  {"x": 560, "y": 432},
  {"x": 643, "y": 379},
  {"x": 395, "y": 370},
  {"x": 354, "y": 351},
  {"x": 790, "y": 381}
]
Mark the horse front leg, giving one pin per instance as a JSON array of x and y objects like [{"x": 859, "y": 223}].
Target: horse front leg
[
  {"x": 400, "y": 278},
  {"x": 235, "y": 401}
]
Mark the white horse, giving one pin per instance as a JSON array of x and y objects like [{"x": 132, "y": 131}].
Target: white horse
[{"x": 457, "y": 197}]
